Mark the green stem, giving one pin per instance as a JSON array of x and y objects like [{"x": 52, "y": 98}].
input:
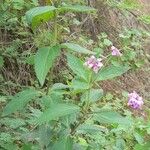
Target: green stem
[
  {"x": 87, "y": 104},
  {"x": 54, "y": 43},
  {"x": 49, "y": 80},
  {"x": 73, "y": 131},
  {"x": 84, "y": 109}
]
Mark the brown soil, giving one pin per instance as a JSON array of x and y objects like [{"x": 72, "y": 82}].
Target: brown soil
[{"x": 111, "y": 21}]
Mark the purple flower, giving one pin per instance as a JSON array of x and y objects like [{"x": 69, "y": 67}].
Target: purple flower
[
  {"x": 115, "y": 51},
  {"x": 135, "y": 101},
  {"x": 94, "y": 63}
]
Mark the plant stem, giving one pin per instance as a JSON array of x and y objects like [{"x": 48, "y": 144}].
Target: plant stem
[
  {"x": 49, "y": 80},
  {"x": 54, "y": 43},
  {"x": 85, "y": 111},
  {"x": 73, "y": 131},
  {"x": 87, "y": 104}
]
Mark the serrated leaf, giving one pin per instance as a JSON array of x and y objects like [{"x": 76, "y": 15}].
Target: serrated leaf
[
  {"x": 59, "y": 86},
  {"x": 111, "y": 72},
  {"x": 111, "y": 117},
  {"x": 38, "y": 15},
  {"x": 26, "y": 147},
  {"x": 90, "y": 128},
  {"x": 44, "y": 135},
  {"x": 120, "y": 144},
  {"x": 77, "y": 8},
  {"x": 76, "y": 48},
  {"x": 77, "y": 66},
  {"x": 7, "y": 137},
  {"x": 8, "y": 146},
  {"x": 79, "y": 85},
  {"x": 65, "y": 143},
  {"x": 57, "y": 110},
  {"x": 94, "y": 95},
  {"x": 13, "y": 122},
  {"x": 107, "y": 42},
  {"x": 138, "y": 138},
  {"x": 19, "y": 101},
  {"x": 44, "y": 60},
  {"x": 145, "y": 146}
]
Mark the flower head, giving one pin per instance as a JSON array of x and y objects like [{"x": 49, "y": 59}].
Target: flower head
[
  {"x": 94, "y": 63},
  {"x": 135, "y": 101},
  {"x": 115, "y": 51}
]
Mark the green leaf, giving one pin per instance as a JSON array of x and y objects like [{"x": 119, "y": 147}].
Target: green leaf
[
  {"x": 8, "y": 146},
  {"x": 77, "y": 67},
  {"x": 19, "y": 101},
  {"x": 13, "y": 123},
  {"x": 38, "y": 15},
  {"x": 111, "y": 72},
  {"x": 109, "y": 96},
  {"x": 91, "y": 129},
  {"x": 120, "y": 144},
  {"x": 65, "y": 143},
  {"x": 82, "y": 141},
  {"x": 94, "y": 95},
  {"x": 111, "y": 117},
  {"x": 145, "y": 19},
  {"x": 44, "y": 60},
  {"x": 79, "y": 85},
  {"x": 57, "y": 110},
  {"x": 59, "y": 86},
  {"x": 145, "y": 146},
  {"x": 107, "y": 42},
  {"x": 44, "y": 135},
  {"x": 138, "y": 138},
  {"x": 129, "y": 5},
  {"x": 26, "y": 147},
  {"x": 6, "y": 137},
  {"x": 77, "y": 8},
  {"x": 45, "y": 101},
  {"x": 76, "y": 48}
]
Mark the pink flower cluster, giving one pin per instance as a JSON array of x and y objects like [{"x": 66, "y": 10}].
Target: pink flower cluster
[
  {"x": 115, "y": 51},
  {"x": 135, "y": 101},
  {"x": 94, "y": 63}
]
